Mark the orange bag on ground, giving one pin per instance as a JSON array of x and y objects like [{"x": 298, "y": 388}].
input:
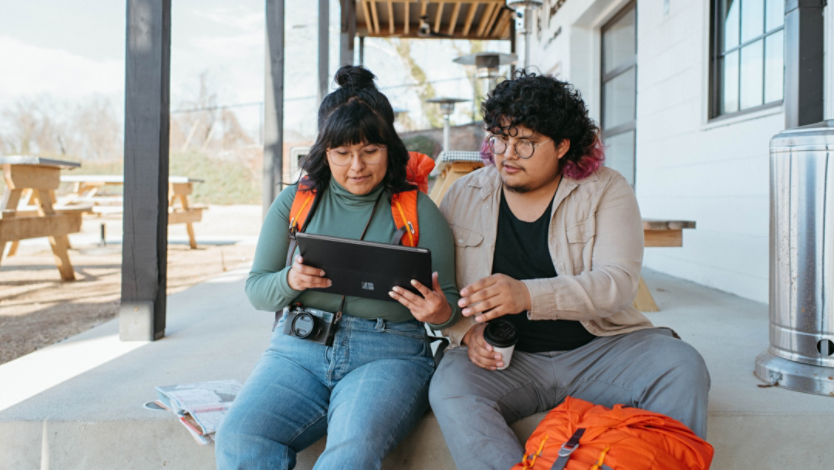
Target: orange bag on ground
[{"x": 578, "y": 435}]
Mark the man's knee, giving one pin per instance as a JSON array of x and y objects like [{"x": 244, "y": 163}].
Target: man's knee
[{"x": 680, "y": 364}]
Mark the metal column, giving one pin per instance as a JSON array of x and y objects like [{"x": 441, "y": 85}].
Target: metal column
[
  {"x": 348, "y": 32},
  {"x": 804, "y": 62},
  {"x": 324, "y": 49},
  {"x": 147, "y": 118},
  {"x": 274, "y": 109}
]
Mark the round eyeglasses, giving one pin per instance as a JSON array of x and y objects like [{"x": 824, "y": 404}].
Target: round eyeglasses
[
  {"x": 369, "y": 155},
  {"x": 523, "y": 148}
]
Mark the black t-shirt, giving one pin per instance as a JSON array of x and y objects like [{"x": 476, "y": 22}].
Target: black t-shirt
[{"x": 521, "y": 252}]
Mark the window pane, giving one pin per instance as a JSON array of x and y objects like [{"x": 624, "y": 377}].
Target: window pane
[
  {"x": 729, "y": 84},
  {"x": 619, "y": 99},
  {"x": 619, "y": 154},
  {"x": 775, "y": 13},
  {"x": 752, "y": 68},
  {"x": 731, "y": 24},
  {"x": 774, "y": 67},
  {"x": 618, "y": 42},
  {"x": 752, "y": 19}
]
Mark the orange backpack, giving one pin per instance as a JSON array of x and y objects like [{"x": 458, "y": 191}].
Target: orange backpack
[
  {"x": 403, "y": 205},
  {"x": 578, "y": 435}
]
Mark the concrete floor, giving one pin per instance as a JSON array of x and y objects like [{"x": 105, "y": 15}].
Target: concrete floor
[{"x": 78, "y": 404}]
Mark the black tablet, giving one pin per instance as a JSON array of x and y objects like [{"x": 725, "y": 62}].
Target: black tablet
[{"x": 365, "y": 269}]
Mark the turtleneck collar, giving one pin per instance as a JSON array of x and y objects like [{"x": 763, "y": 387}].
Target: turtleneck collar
[{"x": 349, "y": 198}]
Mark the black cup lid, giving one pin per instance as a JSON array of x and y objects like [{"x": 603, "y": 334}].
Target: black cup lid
[{"x": 500, "y": 333}]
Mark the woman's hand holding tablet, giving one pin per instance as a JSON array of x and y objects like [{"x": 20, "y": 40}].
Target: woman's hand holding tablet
[{"x": 431, "y": 307}]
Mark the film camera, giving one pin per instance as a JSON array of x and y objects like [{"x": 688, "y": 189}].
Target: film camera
[{"x": 310, "y": 324}]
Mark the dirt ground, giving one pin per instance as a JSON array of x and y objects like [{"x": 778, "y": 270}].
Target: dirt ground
[{"x": 37, "y": 308}]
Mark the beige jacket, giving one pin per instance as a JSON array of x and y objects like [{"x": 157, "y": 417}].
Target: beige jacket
[{"x": 596, "y": 244}]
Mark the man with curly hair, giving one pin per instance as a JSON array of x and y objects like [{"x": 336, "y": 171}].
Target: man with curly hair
[{"x": 551, "y": 241}]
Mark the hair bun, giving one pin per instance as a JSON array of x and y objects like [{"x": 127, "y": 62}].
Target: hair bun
[{"x": 355, "y": 77}]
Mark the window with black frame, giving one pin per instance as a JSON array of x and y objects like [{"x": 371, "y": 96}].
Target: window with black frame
[
  {"x": 619, "y": 91},
  {"x": 747, "y": 55}
]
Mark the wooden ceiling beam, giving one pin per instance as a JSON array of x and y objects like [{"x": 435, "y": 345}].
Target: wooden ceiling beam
[
  {"x": 438, "y": 17},
  {"x": 453, "y": 22},
  {"x": 413, "y": 34},
  {"x": 368, "y": 21},
  {"x": 375, "y": 13},
  {"x": 495, "y": 12},
  {"x": 501, "y": 25},
  {"x": 391, "y": 17},
  {"x": 473, "y": 7},
  {"x": 406, "y": 26},
  {"x": 485, "y": 18}
]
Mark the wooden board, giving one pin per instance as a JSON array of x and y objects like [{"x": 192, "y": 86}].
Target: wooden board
[
  {"x": 185, "y": 217},
  {"x": 644, "y": 301},
  {"x": 662, "y": 238},
  {"x": 656, "y": 224},
  {"x": 22, "y": 228},
  {"x": 31, "y": 176}
]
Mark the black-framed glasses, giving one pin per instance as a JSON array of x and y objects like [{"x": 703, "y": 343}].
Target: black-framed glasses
[
  {"x": 523, "y": 148},
  {"x": 370, "y": 155}
]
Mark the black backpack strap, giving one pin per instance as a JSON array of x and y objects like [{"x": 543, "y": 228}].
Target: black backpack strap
[{"x": 567, "y": 449}]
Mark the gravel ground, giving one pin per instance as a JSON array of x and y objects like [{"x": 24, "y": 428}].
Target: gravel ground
[{"x": 38, "y": 309}]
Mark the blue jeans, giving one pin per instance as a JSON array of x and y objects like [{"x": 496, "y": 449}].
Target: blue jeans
[{"x": 366, "y": 392}]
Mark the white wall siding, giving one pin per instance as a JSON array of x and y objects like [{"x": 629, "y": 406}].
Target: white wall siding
[{"x": 715, "y": 173}]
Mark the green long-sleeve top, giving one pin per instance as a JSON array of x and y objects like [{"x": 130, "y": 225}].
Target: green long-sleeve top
[{"x": 343, "y": 214}]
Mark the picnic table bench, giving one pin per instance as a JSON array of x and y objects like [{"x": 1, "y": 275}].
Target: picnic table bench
[
  {"x": 33, "y": 181},
  {"x": 180, "y": 211}
]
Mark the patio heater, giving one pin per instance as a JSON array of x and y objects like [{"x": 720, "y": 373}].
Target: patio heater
[
  {"x": 447, "y": 107},
  {"x": 524, "y": 22},
  {"x": 487, "y": 64},
  {"x": 801, "y": 352}
]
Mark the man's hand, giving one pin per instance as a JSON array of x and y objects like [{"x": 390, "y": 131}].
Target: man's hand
[
  {"x": 432, "y": 307},
  {"x": 480, "y": 352},
  {"x": 303, "y": 277},
  {"x": 493, "y": 297}
]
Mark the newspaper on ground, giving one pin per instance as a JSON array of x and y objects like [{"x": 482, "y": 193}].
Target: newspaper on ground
[{"x": 200, "y": 407}]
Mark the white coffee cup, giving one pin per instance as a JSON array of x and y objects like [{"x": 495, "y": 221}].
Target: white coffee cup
[{"x": 502, "y": 336}]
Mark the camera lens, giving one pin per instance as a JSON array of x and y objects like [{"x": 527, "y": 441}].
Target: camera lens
[{"x": 303, "y": 325}]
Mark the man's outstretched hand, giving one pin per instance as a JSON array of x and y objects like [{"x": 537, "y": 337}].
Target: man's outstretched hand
[{"x": 494, "y": 296}]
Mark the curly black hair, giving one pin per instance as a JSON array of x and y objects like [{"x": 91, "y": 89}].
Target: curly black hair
[
  {"x": 550, "y": 107},
  {"x": 355, "y": 113}
]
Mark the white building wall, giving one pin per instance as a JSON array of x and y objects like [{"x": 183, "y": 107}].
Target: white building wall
[{"x": 715, "y": 173}]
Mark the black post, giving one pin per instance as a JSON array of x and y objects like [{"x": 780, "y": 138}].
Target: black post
[
  {"x": 274, "y": 109},
  {"x": 145, "y": 238},
  {"x": 324, "y": 48},
  {"x": 348, "y": 32},
  {"x": 361, "y": 50},
  {"x": 804, "y": 62}
]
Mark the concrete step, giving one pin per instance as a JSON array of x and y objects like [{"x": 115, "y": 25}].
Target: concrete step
[{"x": 78, "y": 404}]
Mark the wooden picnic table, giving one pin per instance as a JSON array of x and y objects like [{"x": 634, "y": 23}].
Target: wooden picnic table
[
  {"x": 658, "y": 233},
  {"x": 180, "y": 211},
  {"x": 32, "y": 181}
]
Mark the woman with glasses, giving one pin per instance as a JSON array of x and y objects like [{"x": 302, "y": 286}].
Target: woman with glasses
[{"x": 370, "y": 387}]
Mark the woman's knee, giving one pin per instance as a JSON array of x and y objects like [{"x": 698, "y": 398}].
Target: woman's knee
[{"x": 683, "y": 365}]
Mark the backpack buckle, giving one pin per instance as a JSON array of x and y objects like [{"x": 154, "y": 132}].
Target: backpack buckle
[{"x": 565, "y": 451}]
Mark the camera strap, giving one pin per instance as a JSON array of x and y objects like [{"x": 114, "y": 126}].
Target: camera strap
[{"x": 362, "y": 237}]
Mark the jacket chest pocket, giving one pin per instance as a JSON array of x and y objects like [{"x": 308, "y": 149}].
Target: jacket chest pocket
[
  {"x": 469, "y": 254},
  {"x": 580, "y": 244}
]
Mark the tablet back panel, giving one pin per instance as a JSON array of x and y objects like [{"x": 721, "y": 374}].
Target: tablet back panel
[{"x": 365, "y": 269}]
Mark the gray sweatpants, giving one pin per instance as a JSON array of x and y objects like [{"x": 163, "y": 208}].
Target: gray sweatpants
[{"x": 647, "y": 369}]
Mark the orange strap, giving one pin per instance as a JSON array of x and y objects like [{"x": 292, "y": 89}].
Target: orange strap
[{"x": 403, "y": 211}]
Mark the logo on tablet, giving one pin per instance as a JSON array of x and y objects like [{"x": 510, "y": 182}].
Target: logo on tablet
[{"x": 368, "y": 285}]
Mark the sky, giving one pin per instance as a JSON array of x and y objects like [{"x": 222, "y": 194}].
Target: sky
[{"x": 72, "y": 50}]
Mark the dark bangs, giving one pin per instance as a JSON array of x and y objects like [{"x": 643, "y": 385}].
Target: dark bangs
[{"x": 355, "y": 122}]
